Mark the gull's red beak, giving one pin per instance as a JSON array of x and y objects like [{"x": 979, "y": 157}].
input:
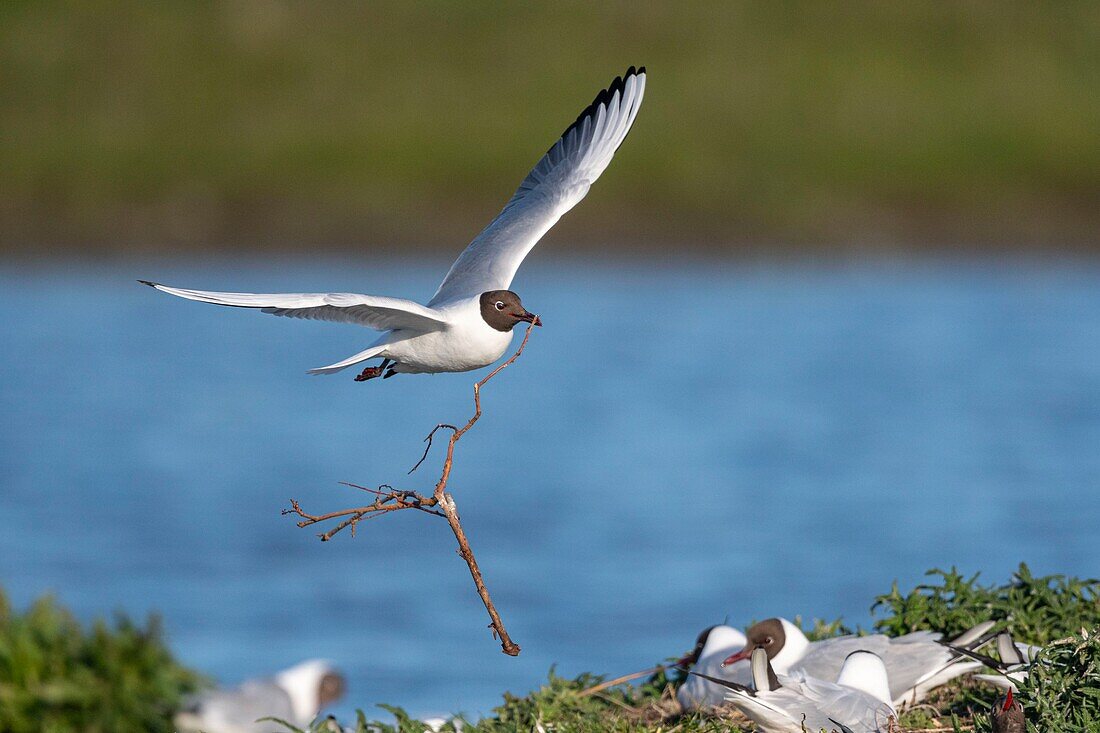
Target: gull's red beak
[
  {"x": 743, "y": 654},
  {"x": 1008, "y": 701},
  {"x": 530, "y": 318}
]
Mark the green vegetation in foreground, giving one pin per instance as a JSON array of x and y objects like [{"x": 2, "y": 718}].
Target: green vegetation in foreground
[
  {"x": 59, "y": 677},
  {"x": 132, "y": 125},
  {"x": 1062, "y": 693}
]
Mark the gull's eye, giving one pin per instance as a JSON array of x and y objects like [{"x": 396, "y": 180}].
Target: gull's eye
[
  {"x": 768, "y": 640},
  {"x": 500, "y": 305}
]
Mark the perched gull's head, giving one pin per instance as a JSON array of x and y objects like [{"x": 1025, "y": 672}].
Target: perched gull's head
[{"x": 783, "y": 641}]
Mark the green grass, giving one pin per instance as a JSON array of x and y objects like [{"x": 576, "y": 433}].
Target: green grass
[
  {"x": 59, "y": 677},
  {"x": 169, "y": 126},
  {"x": 1063, "y": 689},
  {"x": 1035, "y": 609}
]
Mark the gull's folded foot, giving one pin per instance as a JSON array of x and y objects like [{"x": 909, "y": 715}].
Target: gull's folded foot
[
  {"x": 369, "y": 373},
  {"x": 375, "y": 371}
]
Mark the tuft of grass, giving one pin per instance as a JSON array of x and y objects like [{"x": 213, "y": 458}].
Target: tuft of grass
[
  {"x": 1062, "y": 691},
  {"x": 57, "y": 676},
  {"x": 1035, "y": 609}
]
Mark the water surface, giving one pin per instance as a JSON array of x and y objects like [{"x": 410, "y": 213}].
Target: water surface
[{"x": 676, "y": 447}]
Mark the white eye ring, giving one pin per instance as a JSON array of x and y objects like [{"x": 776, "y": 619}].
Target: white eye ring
[{"x": 500, "y": 305}]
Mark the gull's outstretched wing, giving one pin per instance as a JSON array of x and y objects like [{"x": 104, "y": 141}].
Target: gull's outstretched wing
[
  {"x": 556, "y": 184},
  {"x": 373, "y": 311}
]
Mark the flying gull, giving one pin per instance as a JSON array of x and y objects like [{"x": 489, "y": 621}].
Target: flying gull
[{"x": 468, "y": 322}]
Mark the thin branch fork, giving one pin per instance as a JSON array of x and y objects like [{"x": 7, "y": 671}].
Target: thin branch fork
[{"x": 441, "y": 504}]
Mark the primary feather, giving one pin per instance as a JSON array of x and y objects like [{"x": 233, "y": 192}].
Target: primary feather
[
  {"x": 555, "y": 185},
  {"x": 374, "y": 311}
]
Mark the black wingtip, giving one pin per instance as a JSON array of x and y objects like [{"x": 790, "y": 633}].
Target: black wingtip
[
  {"x": 616, "y": 85},
  {"x": 725, "y": 683},
  {"x": 978, "y": 657},
  {"x": 147, "y": 282}
]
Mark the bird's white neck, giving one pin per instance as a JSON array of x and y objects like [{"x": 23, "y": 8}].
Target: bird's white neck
[{"x": 795, "y": 645}]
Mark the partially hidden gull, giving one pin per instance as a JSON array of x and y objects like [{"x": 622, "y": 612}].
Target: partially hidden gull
[
  {"x": 295, "y": 695},
  {"x": 712, "y": 646},
  {"x": 1007, "y": 715}
]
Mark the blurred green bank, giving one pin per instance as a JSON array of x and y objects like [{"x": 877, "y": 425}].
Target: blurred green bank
[{"x": 170, "y": 127}]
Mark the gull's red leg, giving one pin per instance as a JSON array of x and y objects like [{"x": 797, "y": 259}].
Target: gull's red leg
[{"x": 372, "y": 372}]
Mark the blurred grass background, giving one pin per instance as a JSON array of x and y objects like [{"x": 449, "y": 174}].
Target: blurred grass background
[{"x": 130, "y": 127}]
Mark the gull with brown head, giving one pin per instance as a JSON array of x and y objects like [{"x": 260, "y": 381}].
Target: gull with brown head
[
  {"x": 468, "y": 323},
  {"x": 917, "y": 662}
]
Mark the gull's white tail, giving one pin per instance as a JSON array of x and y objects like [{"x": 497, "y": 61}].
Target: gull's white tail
[{"x": 355, "y": 359}]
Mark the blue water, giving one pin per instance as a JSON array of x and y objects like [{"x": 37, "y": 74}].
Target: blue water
[{"x": 679, "y": 444}]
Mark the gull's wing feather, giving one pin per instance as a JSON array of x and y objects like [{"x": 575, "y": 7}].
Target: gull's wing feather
[
  {"x": 373, "y": 311},
  {"x": 909, "y": 659},
  {"x": 554, "y": 186},
  {"x": 854, "y": 708}
]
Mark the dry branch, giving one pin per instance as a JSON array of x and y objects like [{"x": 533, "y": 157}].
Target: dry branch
[{"x": 440, "y": 503}]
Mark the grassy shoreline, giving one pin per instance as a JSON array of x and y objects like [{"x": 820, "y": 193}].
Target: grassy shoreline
[
  {"x": 132, "y": 127},
  {"x": 122, "y": 677}
]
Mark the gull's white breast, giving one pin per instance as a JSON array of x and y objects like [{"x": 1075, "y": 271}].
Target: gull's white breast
[{"x": 466, "y": 342}]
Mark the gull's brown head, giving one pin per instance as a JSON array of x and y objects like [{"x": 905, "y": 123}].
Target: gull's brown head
[
  {"x": 767, "y": 635},
  {"x": 502, "y": 310},
  {"x": 330, "y": 689}
]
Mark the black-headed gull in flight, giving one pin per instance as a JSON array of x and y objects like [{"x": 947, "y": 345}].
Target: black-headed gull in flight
[
  {"x": 916, "y": 662},
  {"x": 858, "y": 702},
  {"x": 295, "y": 695},
  {"x": 468, "y": 322},
  {"x": 712, "y": 646}
]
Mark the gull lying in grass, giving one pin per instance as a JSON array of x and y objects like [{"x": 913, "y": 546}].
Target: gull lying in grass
[
  {"x": 295, "y": 695},
  {"x": 713, "y": 645},
  {"x": 916, "y": 662},
  {"x": 858, "y": 702},
  {"x": 468, "y": 322}
]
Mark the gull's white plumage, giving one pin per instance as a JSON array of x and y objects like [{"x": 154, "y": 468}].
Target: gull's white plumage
[
  {"x": 450, "y": 333},
  {"x": 555, "y": 185},
  {"x": 858, "y": 700},
  {"x": 699, "y": 693}
]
